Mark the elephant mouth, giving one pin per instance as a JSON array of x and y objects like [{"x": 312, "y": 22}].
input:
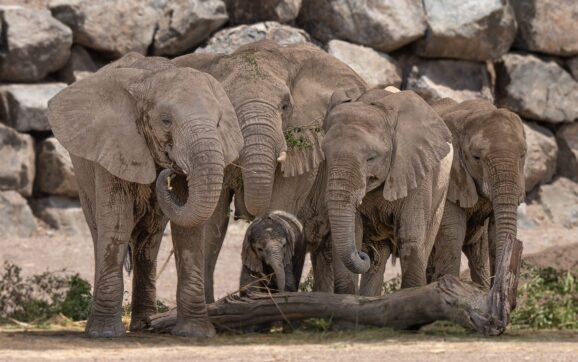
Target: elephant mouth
[{"x": 373, "y": 182}]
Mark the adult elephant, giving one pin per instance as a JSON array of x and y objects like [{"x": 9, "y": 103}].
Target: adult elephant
[
  {"x": 486, "y": 187},
  {"x": 280, "y": 94},
  {"x": 388, "y": 159},
  {"x": 136, "y": 122}
]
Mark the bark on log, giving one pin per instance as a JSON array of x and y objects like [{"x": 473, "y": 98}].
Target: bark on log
[{"x": 447, "y": 299}]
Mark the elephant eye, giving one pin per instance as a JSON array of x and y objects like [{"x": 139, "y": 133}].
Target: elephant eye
[
  {"x": 372, "y": 158},
  {"x": 477, "y": 158},
  {"x": 166, "y": 121}
]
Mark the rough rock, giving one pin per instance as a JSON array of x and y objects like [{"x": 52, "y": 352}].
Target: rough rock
[
  {"x": 547, "y": 26},
  {"x": 24, "y": 106},
  {"x": 567, "y": 137},
  {"x": 228, "y": 40},
  {"x": 248, "y": 12},
  {"x": 572, "y": 64},
  {"x": 16, "y": 218},
  {"x": 187, "y": 23},
  {"x": 541, "y": 156},
  {"x": 114, "y": 27},
  {"x": 376, "y": 68},
  {"x": 475, "y": 30},
  {"x": 16, "y": 161},
  {"x": 62, "y": 214},
  {"x": 459, "y": 80},
  {"x": 79, "y": 66},
  {"x": 536, "y": 88},
  {"x": 560, "y": 202},
  {"x": 385, "y": 25},
  {"x": 55, "y": 174},
  {"x": 34, "y": 44}
]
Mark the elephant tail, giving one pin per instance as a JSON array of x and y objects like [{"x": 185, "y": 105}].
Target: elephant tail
[{"x": 128, "y": 260}]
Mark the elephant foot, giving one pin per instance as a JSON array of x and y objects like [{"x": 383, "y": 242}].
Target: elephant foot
[
  {"x": 138, "y": 323},
  {"x": 105, "y": 327},
  {"x": 200, "y": 328}
]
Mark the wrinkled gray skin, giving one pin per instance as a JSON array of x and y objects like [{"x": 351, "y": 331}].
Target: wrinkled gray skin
[
  {"x": 388, "y": 158},
  {"x": 273, "y": 244},
  {"x": 133, "y": 122},
  {"x": 486, "y": 186},
  {"x": 278, "y": 92}
]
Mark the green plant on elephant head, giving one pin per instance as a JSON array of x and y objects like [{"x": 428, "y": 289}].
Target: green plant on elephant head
[
  {"x": 388, "y": 140},
  {"x": 280, "y": 94},
  {"x": 131, "y": 121}
]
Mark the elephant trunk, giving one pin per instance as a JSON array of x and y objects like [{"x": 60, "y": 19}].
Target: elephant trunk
[
  {"x": 191, "y": 203},
  {"x": 274, "y": 258},
  {"x": 343, "y": 194},
  {"x": 505, "y": 190},
  {"x": 264, "y": 142}
]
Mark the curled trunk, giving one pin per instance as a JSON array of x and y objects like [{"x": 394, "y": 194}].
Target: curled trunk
[
  {"x": 341, "y": 205},
  {"x": 190, "y": 201}
]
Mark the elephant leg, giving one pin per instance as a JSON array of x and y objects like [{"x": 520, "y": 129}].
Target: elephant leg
[
  {"x": 215, "y": 231},
  {"x": 115, "y": 221},
  {"x": 322, "y": 265},
  {"x": 192, "y": 317},
  {"x": 479, "y": 259},
  {"x": 447, "y": 251},
  {"x": 144, "y": 296},
  {"x": 372, "y": 281}
]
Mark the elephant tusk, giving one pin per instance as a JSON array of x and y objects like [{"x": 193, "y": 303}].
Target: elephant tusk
[
  {"x": 392, "y": 89},
  {"x": 169, "y": 180},
  {"x": 282, "y": 157}
]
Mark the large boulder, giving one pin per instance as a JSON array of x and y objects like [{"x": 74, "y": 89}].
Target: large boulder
[
  {"x": 16, "y": 218},
  {"x": 459, "y": 80},
  {"x": 24, "y": 106},
  {"x": 385, "y": 25},
  {"x": 536, "y": 88},
  {"x": 573, "y": 66},
  {"x": 474, "y": 30},
  {"x": 79, "y": 66},
  {"x": 228, "y": 40},
  {"x": 376, "y": 68},
  {"x": 568, "y": 160},
  {"x": 34, "y": 44},
  {"x": 16, "y": 161},
  {"x": 186, "y": 24},
  {"x": 114, "y": 27},
  {"x": 560, "y": 202},
  {"x": 61, "y": 213},
  {"x": 248, "y": 12},
  {"x": 55, "y": 174},
  {"x": 541, "y": 156},
  {"x": 547, "y": 26}
]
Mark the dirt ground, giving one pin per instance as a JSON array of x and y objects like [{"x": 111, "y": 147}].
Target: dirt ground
[{"x": 554, "y": 246}]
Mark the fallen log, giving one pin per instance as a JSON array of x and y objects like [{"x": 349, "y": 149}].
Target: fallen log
[{"x": 447, "y": 299}]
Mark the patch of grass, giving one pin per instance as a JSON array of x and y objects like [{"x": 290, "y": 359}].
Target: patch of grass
[
  {"x": 547, "y": 299},
  {"x": 296, "y": 140},
  {"x": 307, "y": 285},
  {"x": 40, "y": 297}
]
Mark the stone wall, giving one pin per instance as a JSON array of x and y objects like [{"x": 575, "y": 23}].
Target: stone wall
[{"x": 520, "y": 54}]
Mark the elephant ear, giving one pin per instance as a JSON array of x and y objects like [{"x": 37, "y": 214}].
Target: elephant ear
[
  {"x": 250, "y": 258},
  {"x": 293, "y": 229},
  {"x": 228, "y": 127},
  {"x": 421, "y": 141},
  {"x": 462, "y": 189},
  {"x": 199, "y": 61},
  {"x": 315, "y": 76},
  {"x": 96, "y": 119}
]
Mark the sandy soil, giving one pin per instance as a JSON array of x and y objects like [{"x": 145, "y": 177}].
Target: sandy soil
[{"x": 371, "y": 345}]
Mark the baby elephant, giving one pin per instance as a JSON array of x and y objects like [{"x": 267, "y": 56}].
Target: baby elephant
[{"x": 273, "y": 244}]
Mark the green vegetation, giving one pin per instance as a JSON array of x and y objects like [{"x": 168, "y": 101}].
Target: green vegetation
[
  {"x": 547, "y": 299},
  {"x": 38, "y": 298},
  {"x": 296, "y": 140}
]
